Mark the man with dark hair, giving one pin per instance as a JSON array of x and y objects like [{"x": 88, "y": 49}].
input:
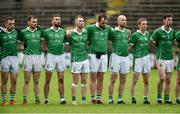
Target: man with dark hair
[
  {"x": 55, "y": 58},
  {"x": 141, "y": 61},
  {"x": 32, "y": 57},
  {"x": 163, "y": 37},
  {"x": 9, "y": 60},
  {"x": 98, "y": 42}
]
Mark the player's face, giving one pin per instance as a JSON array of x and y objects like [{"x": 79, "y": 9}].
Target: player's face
[
  {"x": 56, "y": 21},
  {"x": 168, "y": 21},
  {"x": 143, "y": 25},
  {"x": 10, "y": 25},
  {"x": 32, "y": 23},
  {"x": 79, "y": 23},
  {"x": 122, "y": 21},
  {"x": 102, "y": 23}
]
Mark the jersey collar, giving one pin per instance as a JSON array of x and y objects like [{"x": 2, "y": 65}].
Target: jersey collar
[
  {"x": 31, "y": 30},
  {"x": 80, "y": 33},
  {"x": 97, "y": 25},
  {"x": 141, "y": 32},
  {"x": 166, "y": 30},
  {"x": 54, "y": 29},
  {"x": 8, "y": 31},
  {"x": 117, "y": 28}
]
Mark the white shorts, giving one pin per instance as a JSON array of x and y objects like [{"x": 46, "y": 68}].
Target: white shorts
[
  {"x": 55, "y": 62},
  {"x": 10, "y": 64},
  {"x": 98, "y": 65},
  {"x": 167, "y": 65},
  {"x": 119, "y": 64},
  {"x": 32, "y": 63},
  {"x": 80, "y": 67},
  {"x": 142, "y": 65}
]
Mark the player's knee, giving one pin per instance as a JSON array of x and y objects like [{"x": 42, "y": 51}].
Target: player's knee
[
  {"x": 14, "y": 82},
  {"x": 61, "y": 81},
  {"x": 161, "y": 80},
  {"x": 83, "y": 81},
  {"x": 100, "y": 78},
  {"x": 36, "y": 82},
  {"x": 178, "y": 82},
  {"x": 146, "y": 82},
  {"x": 26, "y": 81},
  {"x": 167, "y": 81}
]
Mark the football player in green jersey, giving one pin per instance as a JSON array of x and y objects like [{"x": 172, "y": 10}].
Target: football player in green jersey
[
  {"x": 32, "y": 62},
  {"x": 164, "y": 37},
  {"x": 79, "y": 59},
  {"x": 55, "y": 58},
  {"x": 141, "y": 61},
  {"x": 98, "y": 42},
  {"x": 177, "y": 86},
  {"x": 9, "y": 59},
  {"x": 119, "y": 60}
]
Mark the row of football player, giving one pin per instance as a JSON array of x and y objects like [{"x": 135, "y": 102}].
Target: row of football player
[{"x": 97, "y": 36}]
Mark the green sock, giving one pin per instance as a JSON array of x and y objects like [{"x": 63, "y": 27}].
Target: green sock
[
  {"x": 166, "y": 97},
  {"x": 62, "y": 98},
  {"x": 110, "y": 97},
  {"x": 83, "y": 98},
  {"x": 145, "y": 98},
  {"x": 158, "y": 96},
  {"x": 36, "y": 98},
  {"x": 73, "y": 98},
  {"x": 3, "y": 96},
  {"x": 119, "y": 97},
  {"x": 98, "y": 97},
  {"x": 25, "y": 97},
  {"x": 93, "y": 97},
  {"x": 46, "y": 98},
  {"x": 12, "y": 95},
  {"x": 133, "y": 98}
]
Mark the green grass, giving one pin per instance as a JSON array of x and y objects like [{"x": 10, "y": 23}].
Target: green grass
[{"x": 55, "y": 107}]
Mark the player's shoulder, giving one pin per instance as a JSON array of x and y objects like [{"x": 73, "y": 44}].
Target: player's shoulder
[{"x": 24, "y": 30}]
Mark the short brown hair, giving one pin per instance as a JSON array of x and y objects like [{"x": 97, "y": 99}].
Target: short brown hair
[
  {"x": 55, "y": 15},
  {"x": 79, "y": 16},
  {"x": 101, "y": 16},
  {"x": 31, "y": 17},
  {"x": 141, "y": 19},
  {"x": 8, "y": 18},
  {"x": 167, "y": 15}
]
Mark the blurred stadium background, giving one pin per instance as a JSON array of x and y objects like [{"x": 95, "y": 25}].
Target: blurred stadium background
[{"x": 153, "y": 10}]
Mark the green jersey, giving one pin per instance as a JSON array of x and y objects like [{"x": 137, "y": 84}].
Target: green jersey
[
  {"x": 98, "y": 38},
  {"x": 78, "y": 42},
  {"x": 120, "y": 41},
  {"x": 54, "y": 39},
  {"x": 32, "y": 41},
  {"x": 8, "y": 43},
  {"x": 164, "y": 40},
  {"x": 177, "y": 36},
  {"x": 140, "y": 43}
]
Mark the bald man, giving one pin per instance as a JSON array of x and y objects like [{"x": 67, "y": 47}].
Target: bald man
[{"x": 119, "y": 61}]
